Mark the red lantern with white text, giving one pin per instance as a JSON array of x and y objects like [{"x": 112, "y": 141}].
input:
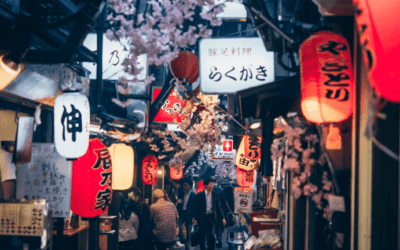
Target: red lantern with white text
[
  {"x": 91, "y": 187},
  {"x": 378, "y": 25},
  {"x": 71, "y": 124},
  {"x": 245, "y": 178},
  {"x": 122, "y": 158},
  {"x": 326, "y": 78},
  {"x": 185, "y": 68},
  {"x": 149, "y": 169}
]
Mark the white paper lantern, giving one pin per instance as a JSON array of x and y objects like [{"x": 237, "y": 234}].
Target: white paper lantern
[
  {"x": 122, "y": 158},
  {"x": 71, "y": 124}
]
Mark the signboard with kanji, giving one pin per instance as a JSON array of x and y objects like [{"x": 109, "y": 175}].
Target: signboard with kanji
[
  {"x": 243, "y": 200},
  {"x": 170, "y": 111},
  {"x": 228, "y": 65},
  {"x": 225, "y": 151}
]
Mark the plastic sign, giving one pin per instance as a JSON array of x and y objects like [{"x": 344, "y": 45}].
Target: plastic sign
[
  {"x": 248, "y": 156},
  {"x": 170, "y": 111},
  {"x": 71, "y": 124},
  {"x": 326, "y": 78},
  {"x": 122, "y": 158},
  {"x": 245, "y": 178},
  {"x": 224, "y": 152},
  {"x": 91, "y": 186},
  {"x": 149, "y": 169},
  {"x": 243, "y": 199},
  {"x": 228, "y": 65}
]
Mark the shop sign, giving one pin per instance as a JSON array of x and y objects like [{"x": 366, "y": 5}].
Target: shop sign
[
  {"x": 249, "y": 153},
  {"x": 326, "y": 78},
  {"x": 228, "y": 65},
  {"x": 243, "y": 199},
  {"x": 225, "y": 151},
  {"x": 149, "y": 169},
  {"x": 91, "y": 188},
  {"x": 171, "y": 110}
]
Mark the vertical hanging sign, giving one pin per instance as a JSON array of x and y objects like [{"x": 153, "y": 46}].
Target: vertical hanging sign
[{"x": 248, "y": 156}]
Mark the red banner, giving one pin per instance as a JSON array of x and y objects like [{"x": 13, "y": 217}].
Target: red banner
[{"x": 170, "y": 111}]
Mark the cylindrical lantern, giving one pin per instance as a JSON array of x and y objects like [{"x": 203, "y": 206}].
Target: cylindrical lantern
[
  {"x": 91, "y": 187},
  {"x": 252, "y": 147},
  {"x": 176, "y": 171},
  {"x": 378, "y": 24},
  {"x": 149, "y": 169},
  {"x": 326, "y": 78},
  {"x": 71, "y": 124},
  {"x": 245, "y": 178},
  {"x": 185, "y": 68},
  {"x": 122, "y": 158}
]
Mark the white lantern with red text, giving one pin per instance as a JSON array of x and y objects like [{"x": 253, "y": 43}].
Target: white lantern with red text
[
  {"x": 71, "y": 124},
  {"x": 122, "y": 158}
]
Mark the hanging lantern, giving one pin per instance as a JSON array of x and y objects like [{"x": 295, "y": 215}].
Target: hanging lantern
[
  {"x": 248, "y": 156},
  {"x": 122, "y": 158},
  {"x": 245, "y": 178},
  {"x": 185, "y": 68},
  {"x": 326, "y": 78},
  {"x": 149, "y": 169},
  {"x": 71, "y": 124},
  {"x": 91, "y": 187},
  {"x": 378, "y": 23},
  {"x": 176, "y": 171}
]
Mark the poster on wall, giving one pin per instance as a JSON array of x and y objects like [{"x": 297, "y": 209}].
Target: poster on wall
[
  {"x": 47, "y": 176},
  {"x": 243, "y": 200}
]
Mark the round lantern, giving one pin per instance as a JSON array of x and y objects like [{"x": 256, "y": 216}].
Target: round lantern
[
  {"x": 326, "y": 78},
  {"x": 149, "y": 169},
  {"x": 378, "y": 23},
  {"x": 71, "y": 124},
  {"x": 122, "y": 158},
  {"x": 91, "y": 186},
  {"x": 176, "y": 171},
  {"x": 185, "y": 68},
  {"x": 245, "y": 178}
]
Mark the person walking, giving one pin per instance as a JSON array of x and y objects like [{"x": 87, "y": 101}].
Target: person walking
[
  {"x": 173, "y": 189},
  {"x": 219, "y": 228},
  {"x": 142, "y": 210},
  {"x": 164, "y": 221},
  {"x": 128, "y": 225},
  {"x": 186, "y": 209},
  {"x": 208, "y": 213}
]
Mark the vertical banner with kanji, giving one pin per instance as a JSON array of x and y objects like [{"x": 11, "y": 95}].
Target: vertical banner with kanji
[{"x": 171, "y": 110}]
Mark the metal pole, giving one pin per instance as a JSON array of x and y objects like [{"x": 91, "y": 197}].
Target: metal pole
[{"x": 94, "y": 232}]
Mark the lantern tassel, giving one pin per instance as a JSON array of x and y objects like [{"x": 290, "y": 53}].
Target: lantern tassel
[{"x": 334, "y": 139}]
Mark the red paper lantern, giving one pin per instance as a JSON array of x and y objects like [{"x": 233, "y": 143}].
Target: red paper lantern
[
  {"x": 149, "y": 169},
  {"x": 252, "y": 147},
  {"x": 245, "y": 178},
  {"x": 91, "y": 181},
  {"x": 185, "y": 68},
  {"x": 378, "y": 24},
  {"x": 176, "y": 171},
  {"x": 326, "y": 78}
]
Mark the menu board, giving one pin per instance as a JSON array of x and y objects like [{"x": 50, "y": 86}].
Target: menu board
[
  {"x": 25, "y": 218},
  {"x": 47, "y": 176}
]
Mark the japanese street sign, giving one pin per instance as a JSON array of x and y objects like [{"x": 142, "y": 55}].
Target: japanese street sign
[
  {"x": 227, "y": 145},
  {"x": 228, "y": 65},
  {"x": 225, "y": 151},
  {"x": 170, "y": 111},
  {"x": 243, "y": 199}
]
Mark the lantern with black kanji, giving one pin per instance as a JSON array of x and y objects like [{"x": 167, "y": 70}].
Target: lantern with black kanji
[
  {"x": 122, "y": 158},
  {"x": 91, "y": 186},
  {"x": 248, "y": 156},
  {"x": 326, "y": 78},
  {"x": 185, "y": 68},
  {"x": 245, "y": 178},
  {"x": 71, "y": 124},
  {"x": 149, "y": 169},
  {"x": 378, "y": 26}
]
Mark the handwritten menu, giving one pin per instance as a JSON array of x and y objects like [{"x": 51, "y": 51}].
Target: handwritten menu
[{"x": 47, "y": 176}]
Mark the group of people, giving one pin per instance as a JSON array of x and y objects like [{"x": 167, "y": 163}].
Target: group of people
[{"x": 161, "y": 224}]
